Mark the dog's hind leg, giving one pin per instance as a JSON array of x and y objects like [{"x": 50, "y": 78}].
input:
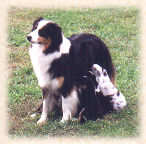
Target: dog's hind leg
[{"x": 69, "y": 105}]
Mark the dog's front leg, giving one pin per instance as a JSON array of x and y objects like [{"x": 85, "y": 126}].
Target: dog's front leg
[
  {"x": 69, "y": 105},
  {"x": 46, "y": 101}
]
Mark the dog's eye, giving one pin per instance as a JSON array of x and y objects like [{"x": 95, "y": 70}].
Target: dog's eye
[{"x": 42, "y": 33}]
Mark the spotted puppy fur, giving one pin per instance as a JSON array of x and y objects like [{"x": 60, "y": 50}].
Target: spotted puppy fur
[{"x": 106, "y": 87}]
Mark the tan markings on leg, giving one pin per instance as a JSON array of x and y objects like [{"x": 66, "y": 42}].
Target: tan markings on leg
[
  {"x": 83, "y": 86},
  {"x": 45, "y": 93},
  {"x": 52, "y": 100},
  {"x": 60, "y": 82}
]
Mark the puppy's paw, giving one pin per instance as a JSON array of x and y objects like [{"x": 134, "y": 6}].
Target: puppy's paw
[{"x": 42, "y": 121}]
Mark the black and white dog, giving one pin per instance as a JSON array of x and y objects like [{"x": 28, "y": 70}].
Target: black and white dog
[{"x": 60, "y": 64}]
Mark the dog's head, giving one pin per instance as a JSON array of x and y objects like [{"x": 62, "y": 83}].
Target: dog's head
[{"x": 45, "y": 33}]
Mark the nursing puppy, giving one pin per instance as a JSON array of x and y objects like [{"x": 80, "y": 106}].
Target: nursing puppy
[
  {"x": 106, "y": 87},
  {"x": 59, "y": 63},
  {"x": 92, "y": 105},
  {"x": 100, "y": 96}
]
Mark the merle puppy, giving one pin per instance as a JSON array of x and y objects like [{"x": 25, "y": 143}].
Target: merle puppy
[{"x": 100, "y": 96}]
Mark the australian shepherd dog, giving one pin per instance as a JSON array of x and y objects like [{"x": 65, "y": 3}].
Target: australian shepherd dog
[{"x": 62, "y": 68}]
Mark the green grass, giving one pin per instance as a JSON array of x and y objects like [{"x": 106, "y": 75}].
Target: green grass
[{"x": 117, "y": 27}]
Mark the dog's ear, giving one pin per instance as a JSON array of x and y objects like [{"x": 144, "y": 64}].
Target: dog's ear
[
  {"x": 37, "y": 20},
  {"x": 35, "y": 23}
]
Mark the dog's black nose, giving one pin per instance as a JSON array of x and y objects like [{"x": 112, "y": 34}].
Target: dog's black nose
[{"x": 28, "y": 38}]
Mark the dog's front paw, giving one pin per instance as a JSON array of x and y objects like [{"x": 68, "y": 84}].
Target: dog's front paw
[{"x": 42, "y": 121}]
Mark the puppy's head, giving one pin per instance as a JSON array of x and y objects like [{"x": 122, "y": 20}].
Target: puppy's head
[{"x": 46, "y": 33}]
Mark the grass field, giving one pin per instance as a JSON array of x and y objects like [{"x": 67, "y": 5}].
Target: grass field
[{"x": 117, "y": 27}]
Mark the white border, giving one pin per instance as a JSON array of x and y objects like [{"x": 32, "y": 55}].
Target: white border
[{"x": 5, "y": 4}]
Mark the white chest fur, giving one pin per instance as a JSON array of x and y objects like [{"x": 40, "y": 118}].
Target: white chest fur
[{"x": 41, "y": 64}]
